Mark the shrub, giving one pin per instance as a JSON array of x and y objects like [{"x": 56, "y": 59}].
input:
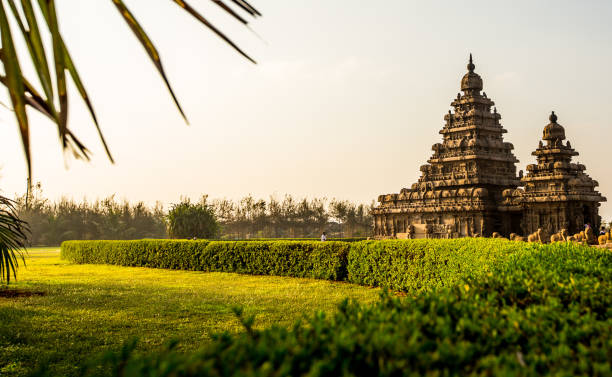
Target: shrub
[
  {"x": 424, "y": 264},
  {"x": 187, "y": 220},
  {"x": 543, "y": 310},
  {"x": 322, "y": 260}
]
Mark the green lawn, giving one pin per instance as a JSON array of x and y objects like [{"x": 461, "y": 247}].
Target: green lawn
[{"x": 86, "y": 309}]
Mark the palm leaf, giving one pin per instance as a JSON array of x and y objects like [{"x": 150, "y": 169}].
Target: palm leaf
[
  {"x": 68, "y": 65},
  {"x": 15, "y": 83},
  {"x": 183, "y": 4},
  {"x": 22, "y": 92},
  {"x": 229, "y": 10},
  {"x": 34, "y": 43},
  {"x": 246, "y": 7},
  {"x": 13, "y": 236},
  {"x": 81, "y": 88},
  {"x": 146, "y": 42},
  {"x": 60, "y": 67}
]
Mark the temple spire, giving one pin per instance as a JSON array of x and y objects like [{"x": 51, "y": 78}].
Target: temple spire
[
  {"x": 553, "y": 117},
  {"x": 471, "y": 65},
  {"x": 471, "y": 83},
  {"x": 553, "y": 131}
]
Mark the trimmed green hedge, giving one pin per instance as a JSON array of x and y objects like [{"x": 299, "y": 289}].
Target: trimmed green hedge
[
  {"x": 424, "y": 264},
  {"x": 541, "y": 311},
  {"x": 178, "y": 255},
  {"x": 345, "y": 239},
  {"x": 401, "y": 265},
  {"x": 321, "y": 260}
]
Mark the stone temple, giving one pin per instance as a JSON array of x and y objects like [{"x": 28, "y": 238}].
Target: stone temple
[{"x": 470, "y": 186}]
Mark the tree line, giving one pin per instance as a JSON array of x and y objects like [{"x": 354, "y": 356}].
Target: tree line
[
  {"x": 52, "y": 222},
  {"x": 292, "y": 218}
]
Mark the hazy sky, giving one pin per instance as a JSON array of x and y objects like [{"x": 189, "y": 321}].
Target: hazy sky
[{"x": 346, "y": 100}]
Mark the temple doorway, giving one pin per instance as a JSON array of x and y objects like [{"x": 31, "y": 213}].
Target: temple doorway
[
  {"x": 515, "y": 223},
  {"x": 586, "y": 214}
]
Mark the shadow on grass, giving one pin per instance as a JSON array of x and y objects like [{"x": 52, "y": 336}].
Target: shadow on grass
[{"x": 7, "y": 292}]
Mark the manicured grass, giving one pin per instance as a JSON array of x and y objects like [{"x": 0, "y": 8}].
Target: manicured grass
[{"x": 87, "y": 309}]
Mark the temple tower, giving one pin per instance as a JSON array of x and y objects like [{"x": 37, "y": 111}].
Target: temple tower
[
  {"x": 461, "y": 185},
  {"x": 558, "y": 193}
]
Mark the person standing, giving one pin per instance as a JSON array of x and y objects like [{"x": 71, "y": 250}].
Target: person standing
[{"x": 323, "y": 237}]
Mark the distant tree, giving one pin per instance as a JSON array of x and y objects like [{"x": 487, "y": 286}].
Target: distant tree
[
  {"x": 339, "y": 210},
  {"x": 187, "y": 220},
  {"x": 275, "y": 214},
  {"x": 51, "y": 223},
  {"x": 291, "y": 218}
]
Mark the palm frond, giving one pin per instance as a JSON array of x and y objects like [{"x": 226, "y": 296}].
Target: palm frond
[
  {"x": 52, "y": 100},
  {"x": 14, "y": 83},
  {"x": 146, "y": 42},
  {"x": 183, "y": 4},
  {"x": 13, "y": 236}
]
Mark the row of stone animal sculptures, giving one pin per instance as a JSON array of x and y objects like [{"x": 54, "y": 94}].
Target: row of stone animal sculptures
[{"x": 586, "y": 236}]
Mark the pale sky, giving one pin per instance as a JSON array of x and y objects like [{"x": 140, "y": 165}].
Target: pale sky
[{"x": 346, "y": 100}]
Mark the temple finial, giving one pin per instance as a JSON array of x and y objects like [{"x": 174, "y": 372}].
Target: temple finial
[
  {"x": 471, "y": 65},
  {"x": 553, "y": 117}
]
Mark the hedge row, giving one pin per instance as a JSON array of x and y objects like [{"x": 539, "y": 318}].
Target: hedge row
[
  {"x": 542, "y": 311},
  {"x": 424, "y": 264},
  {"x": 343, "y": 239},
  {"x": 321, "y": 260},
  {"x": 398, "y": 265}
]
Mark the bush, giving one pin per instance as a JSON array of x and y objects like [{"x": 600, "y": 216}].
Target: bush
[
  {"x": 187, "y": 220},
  {"x": 543, "y": 310},
  {"x": 321, "y": 260},
  {"x": 424, "y": 264}
]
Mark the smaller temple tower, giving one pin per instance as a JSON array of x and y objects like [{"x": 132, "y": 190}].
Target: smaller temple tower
[{"x": 557, "y": 193}]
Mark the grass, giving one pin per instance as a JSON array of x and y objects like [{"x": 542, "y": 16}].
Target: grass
[{"x": 87, "y": 309}]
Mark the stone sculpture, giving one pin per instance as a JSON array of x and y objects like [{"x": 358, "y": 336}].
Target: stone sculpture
[
  {"x": 590, "y": 236},
  {"x": 559, "y": 237},
  {"x": 603, "y": 239},
  {"x": 536, "y": 236},
  {"x": 579, "y": 237},
  {"x": 516, "y": 237}
]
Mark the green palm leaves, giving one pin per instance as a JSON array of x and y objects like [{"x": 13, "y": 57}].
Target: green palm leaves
[
  {"x": 13, "y": 235},
  {"x": 53, "y": 69}
]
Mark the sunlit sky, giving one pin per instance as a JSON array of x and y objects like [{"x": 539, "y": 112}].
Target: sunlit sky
[{"x": 346, "y": 100}]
